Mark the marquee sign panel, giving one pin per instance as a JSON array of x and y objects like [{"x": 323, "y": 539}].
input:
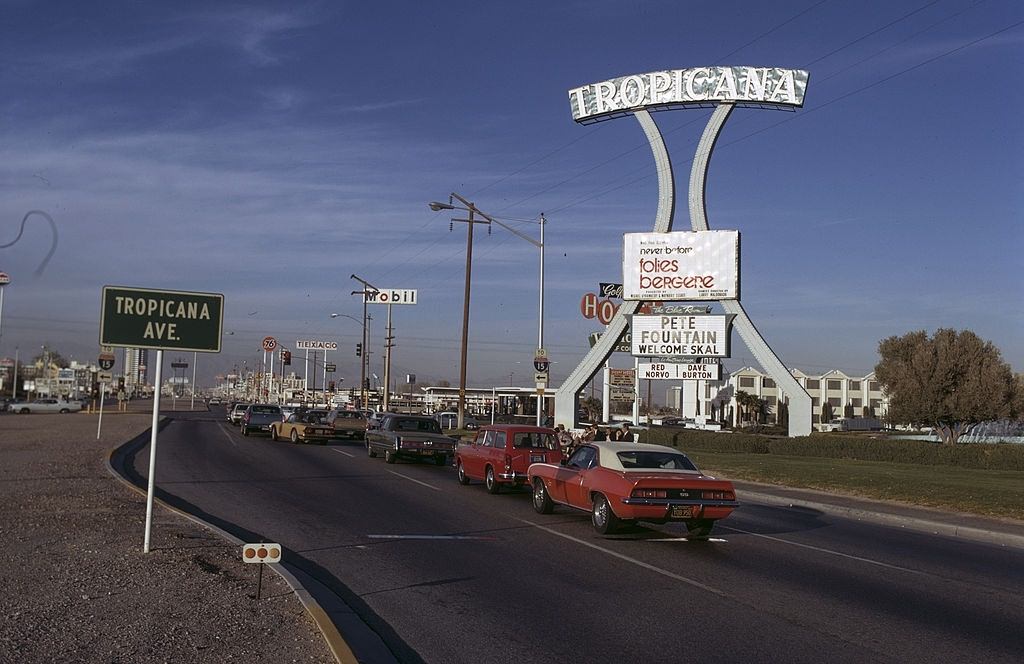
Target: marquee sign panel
[
  {"x": 674, "y": 88},
  {"x": 683, "y": 265}
]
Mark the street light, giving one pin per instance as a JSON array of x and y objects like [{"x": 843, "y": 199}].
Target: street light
[{"x": 473, "y": 210}]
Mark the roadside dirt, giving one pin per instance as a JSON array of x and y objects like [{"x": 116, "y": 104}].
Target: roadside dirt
[{"x": 77, "y": 586}]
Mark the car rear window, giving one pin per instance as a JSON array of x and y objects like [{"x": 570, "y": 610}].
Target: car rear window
[
  {"x": 655, "y": 460},
  {"x": 349, "y": 415},
  {"x": 267, "y": 410},
  {"x": 425, "y": 426},
  {"x": 534, "y": 440}
]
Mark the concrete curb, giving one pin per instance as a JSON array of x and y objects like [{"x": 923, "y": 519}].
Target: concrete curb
[
  {"x": 339, "y": 648},
  {"x": 909, "y": 522}
]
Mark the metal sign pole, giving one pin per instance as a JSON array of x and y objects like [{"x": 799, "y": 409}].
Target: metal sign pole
[
  {"x": 152, "y": 448},
  {"x": 387, "y": 365},
  {"x": 192, "y": 405},
  {"x": 99, "y": 427}
]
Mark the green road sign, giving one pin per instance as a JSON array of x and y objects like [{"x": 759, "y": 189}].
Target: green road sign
[{"x": 161, "y": 319}]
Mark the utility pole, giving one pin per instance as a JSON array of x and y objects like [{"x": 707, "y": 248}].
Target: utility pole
[
  {"x": 365, "y": 363},
  {"x": 473, "y": 212},
  {"x": 387, "y": 363}
]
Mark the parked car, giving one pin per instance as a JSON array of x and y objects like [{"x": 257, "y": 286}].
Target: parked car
[
  {"x": 620, "y": 483},
  {"x": 214, "y": 401},
  {"x": 853, "y": 424},
  {"x": 673, "y": 421},
  {"x": 374, "y": 419},
  {"x": 236, "y": 411},
  {"x": 500, "y": 454},
  {"x": 409, "y": 437},
  {"x": 450, "y": 420},
  {"x": 306, "y": 427},
  {"x": 258, "y": 417},
  {"x": 348, "y": 423},
  {"x": 45, "y": 406}
]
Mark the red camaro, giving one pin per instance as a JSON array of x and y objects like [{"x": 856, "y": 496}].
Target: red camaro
[{"x": 622, "y": 482}]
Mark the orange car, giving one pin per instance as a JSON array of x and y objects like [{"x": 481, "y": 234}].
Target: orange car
[{"x": 622, "y": 482}]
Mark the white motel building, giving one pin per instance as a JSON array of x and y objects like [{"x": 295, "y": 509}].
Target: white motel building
[{"x": 850, "y": 396}]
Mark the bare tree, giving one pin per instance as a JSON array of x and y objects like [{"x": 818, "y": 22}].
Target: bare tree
[{"x": 948, "y": 381}]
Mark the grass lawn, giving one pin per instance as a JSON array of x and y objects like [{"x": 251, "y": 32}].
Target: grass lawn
[{"x": 987, "y": 492}]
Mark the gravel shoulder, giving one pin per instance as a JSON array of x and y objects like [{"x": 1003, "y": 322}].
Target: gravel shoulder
[{"x": 78, "y": 587}]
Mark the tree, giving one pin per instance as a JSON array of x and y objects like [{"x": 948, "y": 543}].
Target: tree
[
  {"x": 48, "y": 354},
  {"x": 747, "y": 403},
  {"x": 948, "y": 381},
  {"x": 594, "y": 408},
  {"x": 826, "y": 412}
]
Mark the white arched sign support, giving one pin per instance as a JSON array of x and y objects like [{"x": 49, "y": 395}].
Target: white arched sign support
[{"x": 567, "y": 396}]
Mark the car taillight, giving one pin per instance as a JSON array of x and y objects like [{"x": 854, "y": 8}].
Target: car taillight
[
  {"x": 508, "y": 462},
  {"x": 650, "y": 493},
  {"x": 398, "y": 442},
  {"x": 719, "y": 495}
]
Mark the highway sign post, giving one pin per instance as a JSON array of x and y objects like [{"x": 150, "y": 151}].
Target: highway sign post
[
  {"x": 106, "y": 363},
  {"x": 161, "y": 320}
]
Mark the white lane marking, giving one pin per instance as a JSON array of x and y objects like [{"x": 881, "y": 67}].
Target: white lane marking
[
  {"x": 828, "y": 551},
  {"x": 348, "y": 454},
  {"x": 413, "y": 479},
  {"x": 435, "y": 537},
  {"x": 681, "y": 539},
  {"x": 227, "y": 435},
  {"x": 629, "y": 559}
]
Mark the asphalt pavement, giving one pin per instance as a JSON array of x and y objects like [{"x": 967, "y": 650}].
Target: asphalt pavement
[{"x": 413, "y": 567}]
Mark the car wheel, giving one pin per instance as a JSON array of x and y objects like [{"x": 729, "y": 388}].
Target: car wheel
[
  {"x": 491, "y": 482},
  {"x": 24, "y": 411},
  {"x": 273, "y": 434},
  {"x": 295, "y": 436},
  {"x": 64, "y": 410},
  {"x": 602, "y": 516},
  {"x": 461, "y": 472},
  {"x": 369, "y": 451},
  {"x": 699, "y": 529},
  {"x": 389, "y": 456},
  {"x": 542, "y": 502},
  {"x": 245, "y": 430}
]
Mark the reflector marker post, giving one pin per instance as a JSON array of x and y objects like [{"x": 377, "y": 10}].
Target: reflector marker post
[{"x": 264, "y": 552}]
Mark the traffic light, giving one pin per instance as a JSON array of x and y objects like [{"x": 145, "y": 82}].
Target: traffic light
[
  {"x": 359, "y": 350},
  {"x": 286, "y": 357},
  {"x": 330, "y": 386}
]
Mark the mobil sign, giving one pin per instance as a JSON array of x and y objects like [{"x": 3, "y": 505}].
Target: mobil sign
[{"x": 390, "y": 296}]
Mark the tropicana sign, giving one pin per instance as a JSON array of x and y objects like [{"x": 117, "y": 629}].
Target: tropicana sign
[{"x": 683, "y": 87}]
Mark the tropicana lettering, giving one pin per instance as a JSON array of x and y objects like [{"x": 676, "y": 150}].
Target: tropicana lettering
[
  {"x": 141, "y": 306},
  {"x": 760, "y": 85}
]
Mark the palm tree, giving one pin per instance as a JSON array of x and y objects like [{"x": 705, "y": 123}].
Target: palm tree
[{"x": 744, "y": 401}]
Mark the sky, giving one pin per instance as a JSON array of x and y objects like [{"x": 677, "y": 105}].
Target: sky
[{"x": 268, "y": 151}]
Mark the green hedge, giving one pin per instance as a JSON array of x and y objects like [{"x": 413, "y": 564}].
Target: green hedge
[{"x": 838, "y": 446}]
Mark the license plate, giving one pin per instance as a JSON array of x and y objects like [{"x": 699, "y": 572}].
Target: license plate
[
  {"x": 681, "y": 512},
  {"x": 536, "y": 458}
]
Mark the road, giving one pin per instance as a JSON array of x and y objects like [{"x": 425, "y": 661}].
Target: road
[{"x": 446, "y": 573}]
